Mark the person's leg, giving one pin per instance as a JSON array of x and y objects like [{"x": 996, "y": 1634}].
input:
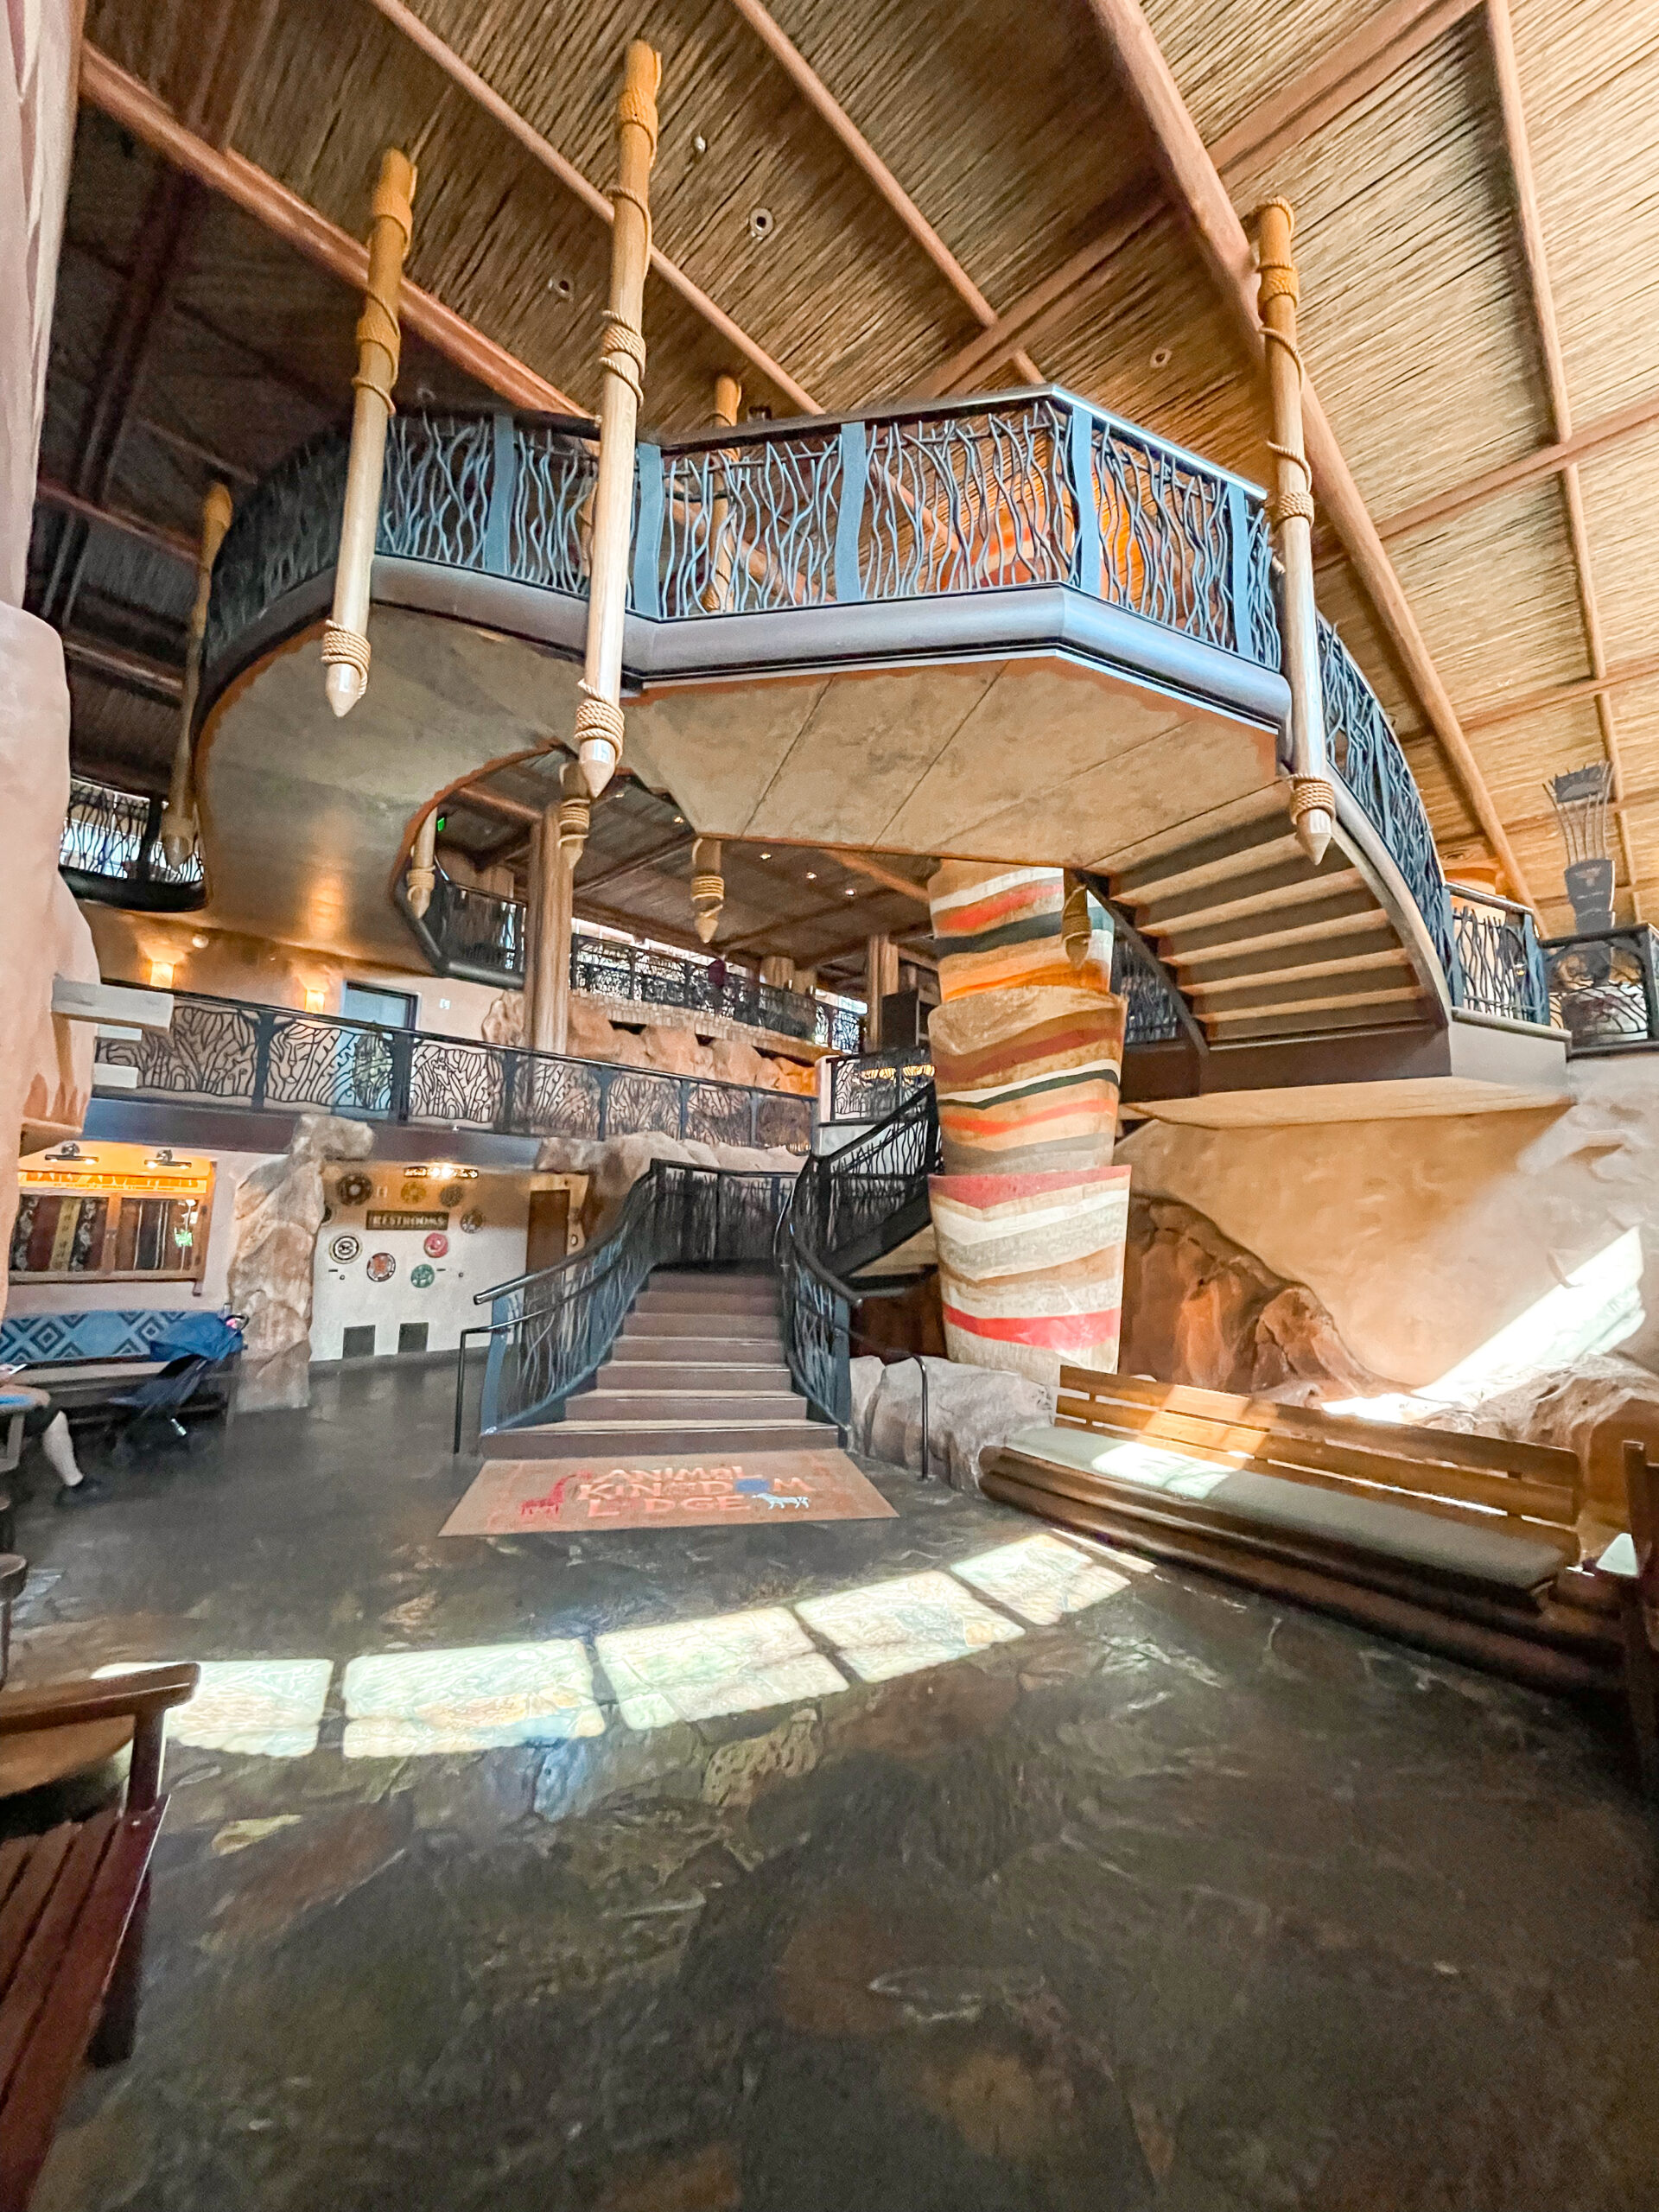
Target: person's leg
[{"x": 59, "y": 1449}]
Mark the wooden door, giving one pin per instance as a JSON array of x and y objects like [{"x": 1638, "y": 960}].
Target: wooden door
[{"x": 549, "y": 1230}]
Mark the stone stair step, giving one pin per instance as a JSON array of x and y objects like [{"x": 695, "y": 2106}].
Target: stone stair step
[
  {"x": 705, "y": 1349},
  {"x": 634, "y": 1408},
  {"x": 747, "y": 1375},
  {"x": 701, "y": 1322},
  {"x": 570, "y": 1440}
]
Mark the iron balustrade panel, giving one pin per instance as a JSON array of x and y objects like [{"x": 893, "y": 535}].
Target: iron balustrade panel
[
  {"x": 1166, "y": 538},
  {"x": 226, "y": 1052},
  {"x": 818, "y": 1337},
  {"x": 840, "y": 1027},
  {"x": 284, "y": 533},
  {"x": 215, "y": 1052},
  {"x": 1257, "y": 620},
  {"x": 749, "y": 529},
  {"x": 1153, "y": 1015},
  {"x": 1604, "y": 989},
  {"x": 873, "y": 1086},
  {"x": 434, "y": 494},
  {"x": 980, "y": 501},
  {"x": 115, "y": 835},
  {"x": 550, "y": 1331},
  {"x": 550, "y": 531},
  {"x": 843, "y": 1198},
  {"x": 1367, "y": 755},
  {"x": 1499, "y": 968},
  {"x": 478, "y": 928}
]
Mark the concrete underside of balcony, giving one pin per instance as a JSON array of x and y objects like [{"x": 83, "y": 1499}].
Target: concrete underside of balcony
[{"x": 1032, "y": 725}]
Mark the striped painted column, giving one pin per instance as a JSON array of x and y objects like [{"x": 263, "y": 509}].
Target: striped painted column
[{"x": 1030, "y": 1215}]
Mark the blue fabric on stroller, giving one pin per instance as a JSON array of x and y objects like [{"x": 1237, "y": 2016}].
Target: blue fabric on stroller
[{"x": 190, "y": 1346}]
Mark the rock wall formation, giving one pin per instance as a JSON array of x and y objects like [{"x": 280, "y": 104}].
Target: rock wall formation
[
  {"x": 661, "y": 1047},
  {"x": 279, "y": 1207},
  {"x": 1027, "y": 1045},
  {"x": 971, "y": 1413}
]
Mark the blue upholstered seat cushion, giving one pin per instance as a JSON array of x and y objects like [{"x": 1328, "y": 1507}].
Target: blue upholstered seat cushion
[{"x": 1508, "y": 1555}]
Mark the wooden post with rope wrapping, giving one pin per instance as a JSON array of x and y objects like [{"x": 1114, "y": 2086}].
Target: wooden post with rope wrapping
[
  {"x": 576, "y": 813},
  {"x": 1312, "y": 797},
  {"x": 179, "y": 816},
  {"x": 622, "y": 366},
  {"x": 345, "y": 636},
  {"x": 707, "y": 888},
  {"x": 717, "y": 592},
  {"x": 548, "y": 1025},
  {"x": 423, "y": 863}
]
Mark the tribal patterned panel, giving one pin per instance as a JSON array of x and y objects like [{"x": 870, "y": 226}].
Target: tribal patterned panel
[{"x": 1031, "y": 1269}]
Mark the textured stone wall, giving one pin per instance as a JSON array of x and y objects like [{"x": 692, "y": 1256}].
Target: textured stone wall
[
  {"x": 1424, "y": 1237},
  {"x": 279, "y": 1209},
  {"x": 1027, "y": 1045}
]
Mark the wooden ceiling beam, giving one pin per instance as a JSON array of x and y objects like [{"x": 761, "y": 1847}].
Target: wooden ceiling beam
[
  {"x": 1518, "y": 148},
  {"x": 861, "y": 864},
  {"x": 1561, "y": 694},
  {"x": 824, "y": 105},
  {"x": 160, "y": 539},
  {"x": 1197, "y": 191},
  {"x": 405, "y": 20},
  {"x": 128, "y": 671},
  {"x": 513, "y": 809},
  {"x": 1354, "y": 66},
  {"x": 1530, "y": 468},
  {"x": 137, "y": 109}
]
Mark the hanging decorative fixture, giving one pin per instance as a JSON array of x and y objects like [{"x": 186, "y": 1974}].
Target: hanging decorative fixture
[
  {"x": 1580, "y": 798},
  {"x": 423, "y": 863},
  {"x": 345, "y": 635},
  {"x": 576, "y": 813},
  {"x": 179, "y": 816},
  {"x": 707, "y": 887}
]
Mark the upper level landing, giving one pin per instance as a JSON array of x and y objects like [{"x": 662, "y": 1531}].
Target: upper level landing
[{"x": 1011, "y": 628}]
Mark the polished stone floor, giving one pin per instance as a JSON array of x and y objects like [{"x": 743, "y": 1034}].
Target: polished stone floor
[{"x": 1042, "y": 1882}]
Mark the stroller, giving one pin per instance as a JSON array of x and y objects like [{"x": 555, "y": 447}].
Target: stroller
[{"x": 193, "y": 1346}]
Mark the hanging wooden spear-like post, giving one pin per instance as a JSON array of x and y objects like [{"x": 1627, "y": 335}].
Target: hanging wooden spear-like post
[
  {"x": 346, "y": 638},
  {"x": 1312, "y": 798},
  {"x": 422, "y": 876},
  {"x": 707, "y": 888},
  {"x": 622, "y": 366},
  {"x": 717, "y": 592},
  {"x": 179, "y": 816}
]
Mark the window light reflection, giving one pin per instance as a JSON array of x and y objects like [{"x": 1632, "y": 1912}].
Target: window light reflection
[
  {"x": 723, "y": 1662},
  {"x": 410, "y": 1704},
  {"x": 898, "y": 1628},
  {"x": 1040, "y": 1579}
]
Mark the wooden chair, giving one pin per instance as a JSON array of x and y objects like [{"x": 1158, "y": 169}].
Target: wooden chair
[{"x": 73, "y": 1904}]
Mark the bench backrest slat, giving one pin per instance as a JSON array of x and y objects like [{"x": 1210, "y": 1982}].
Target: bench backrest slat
[{"x": 1536, "y": 1482}]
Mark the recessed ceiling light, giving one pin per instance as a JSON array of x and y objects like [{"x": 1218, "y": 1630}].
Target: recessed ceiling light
[
  {"x": 1161, "y": 357},
  {"x": 766, "y": 856},
  {"x": 849, "y": 892},
  {"x": 811, "y": 875},
  {"x": 679, "y": 821}
]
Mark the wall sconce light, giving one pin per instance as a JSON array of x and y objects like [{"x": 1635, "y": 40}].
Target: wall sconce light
[
  {"x": 314, "y": 997},
  {"x": 161, "y": 973}
]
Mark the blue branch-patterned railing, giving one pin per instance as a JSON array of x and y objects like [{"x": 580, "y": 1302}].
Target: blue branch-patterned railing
[
  {"x": 112, "y": 851},
  {"x": 1500, "y": 963},
  {"x": 228, "y": 1052},
  {"x": 1035, "y": 487},
  {"x": 1604, "y": 988},
  {"x": 472, "y": 932},
  {"x": 549, "y": 1332}
]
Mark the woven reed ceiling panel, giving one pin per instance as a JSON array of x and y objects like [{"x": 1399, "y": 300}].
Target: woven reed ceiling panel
[{"x": 1008, "y": 129}]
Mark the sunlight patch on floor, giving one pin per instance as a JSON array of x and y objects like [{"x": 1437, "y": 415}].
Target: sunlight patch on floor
[
  {"x": 1040, "y": 1579},
  {"x": 897, "y": 1628},
  {"x": 410, "y": 1704},
  {"x": 697, "y": 1669},
  {"x": 266, "y": 1709}
]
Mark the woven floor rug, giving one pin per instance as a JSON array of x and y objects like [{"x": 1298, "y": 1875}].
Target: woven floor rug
[{"x": 523, "y": 1496}]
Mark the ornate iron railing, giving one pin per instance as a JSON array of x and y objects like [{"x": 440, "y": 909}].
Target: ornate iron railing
[
  {"x": 549, "y": 1331},
  {"x": 1027, "y": 487},
  {"x": 227, "y": 1052},
  {"x": 469, "y": 932},
  {"x": 112, "y": 851},
  {"x": 872, "y": 1086},
  {"x": 1368, "y": 756},
  {"x": 1500, "y": 966},
  {"x": 1604, "y": 989}
]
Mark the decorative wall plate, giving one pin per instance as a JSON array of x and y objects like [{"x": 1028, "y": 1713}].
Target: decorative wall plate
[
  {"x": 472, "y": 1219},
  {"x": 413, "y": 1193},
  {"x": 452, "y": 1194},
  {"x": 436, "y": 1245},
  {"x": 382, "y": 1267},
  {"x": 422, "y": 1277},
  {"x": 355, "y": 1189},
  {"x": 344, "y": 1248}
]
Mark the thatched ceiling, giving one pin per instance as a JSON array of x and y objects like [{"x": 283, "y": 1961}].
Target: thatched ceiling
[{"x": 1009, "y": 131}]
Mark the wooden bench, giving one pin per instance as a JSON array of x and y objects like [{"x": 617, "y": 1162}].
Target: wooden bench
[
  {"x": 73, "y": 1908},
  {"x": 1465, "y": 1544}
]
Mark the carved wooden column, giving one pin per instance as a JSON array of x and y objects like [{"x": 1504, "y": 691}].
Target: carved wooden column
[
  {"x": 717, "y": 592},
  {"x": 179, "y": 817},
  {"x": 1312, "y": 799},
  {"x": 575, "y": 814},
  {"x": 707, "y": 888},
  {"x": 881, "y": 981},
  {"x": 422, "y": 877},
  {"x": 345, "y": 638},
  {"x": 622, "y": 365},
  {"x": 548, "y": 1029}
]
